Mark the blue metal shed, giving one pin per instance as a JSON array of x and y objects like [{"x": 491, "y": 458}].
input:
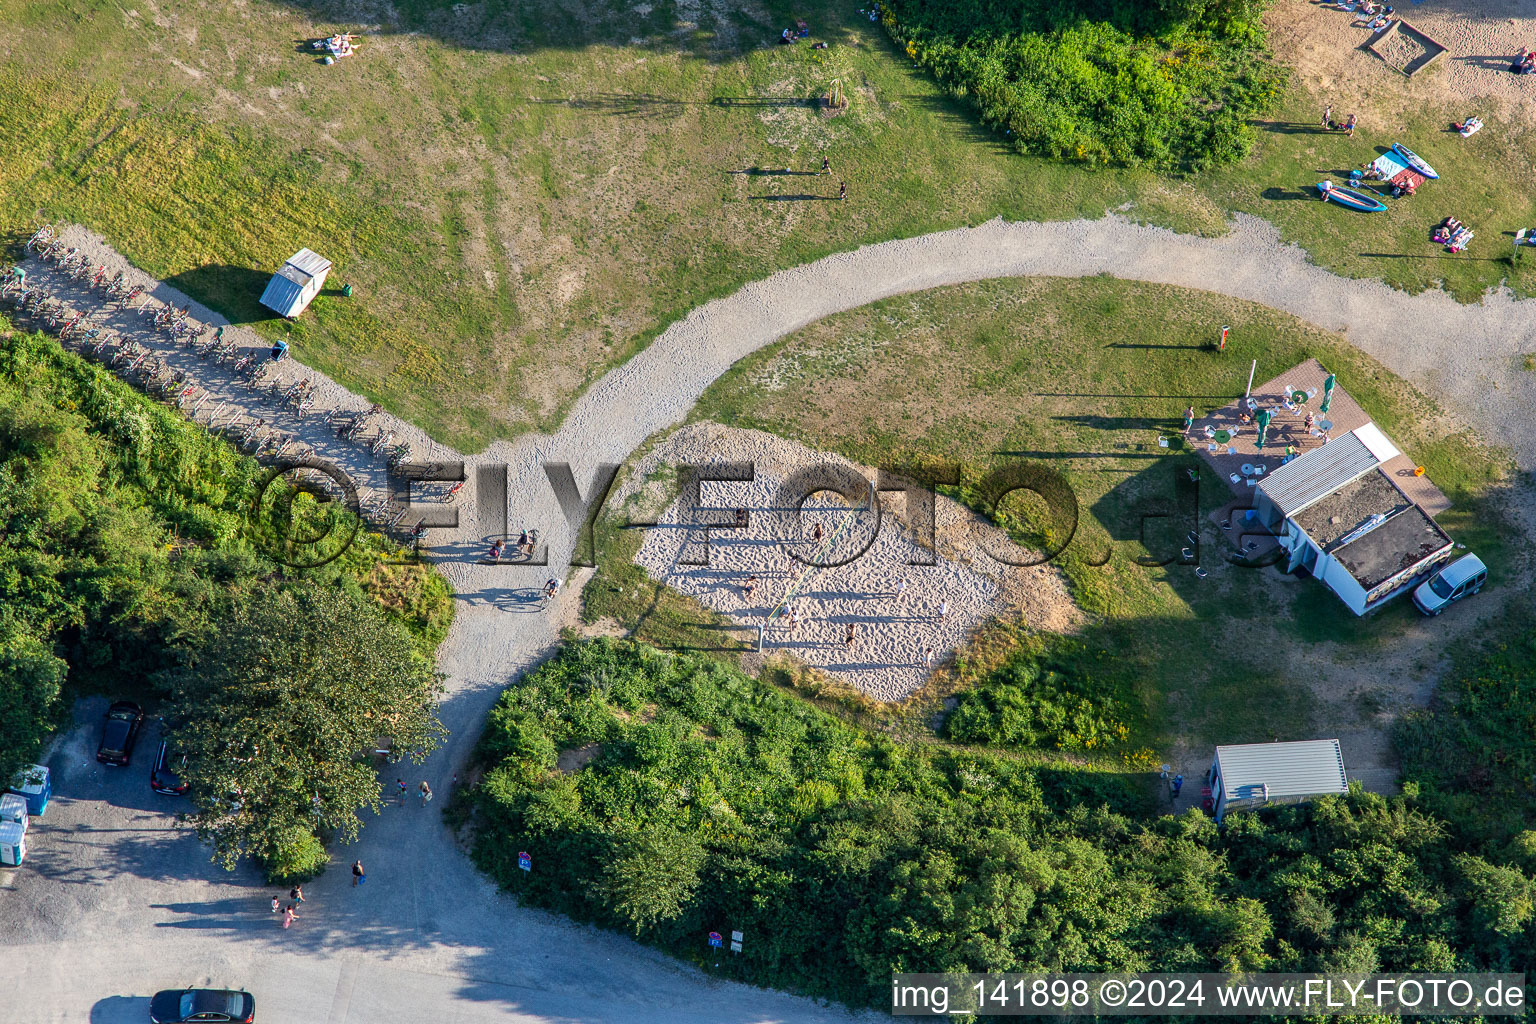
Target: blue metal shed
[{"x": 295, "y": 286}]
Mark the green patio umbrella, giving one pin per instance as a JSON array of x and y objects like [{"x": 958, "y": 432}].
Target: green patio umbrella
[
  {"x": 1327, "y": 393},
  {"x": 1262, "y": 419}
]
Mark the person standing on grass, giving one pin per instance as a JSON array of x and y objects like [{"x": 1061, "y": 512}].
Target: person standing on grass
[
  {"x": 842, "y": 190},
  {"x": 357, "y": 873},
  {"x": 826, "y": 165},
  {"x": 1349, "y": 126},
  {"x": 425, "y": 791},
  {"x": 1327, "y": 116},
  {"x": 1189, "y": 419}
]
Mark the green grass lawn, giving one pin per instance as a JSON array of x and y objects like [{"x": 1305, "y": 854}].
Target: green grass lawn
[
  {"x": 522, "y": 202},
  {"x": 1030, "y": 370}
]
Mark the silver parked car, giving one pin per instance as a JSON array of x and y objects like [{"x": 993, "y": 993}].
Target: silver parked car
[{"x": 1464, "y": 576}]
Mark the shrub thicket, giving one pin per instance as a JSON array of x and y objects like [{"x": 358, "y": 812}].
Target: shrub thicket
[
  {"x": 125, "y": 540},
  {"x": 714, "y": 803},
  {"x": 1168, "y": 84},
  {"x": 1047, "y": 695}
]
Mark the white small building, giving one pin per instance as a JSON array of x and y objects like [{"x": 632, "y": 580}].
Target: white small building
[
  {"x": 1341, "y": 518},
  {"x": 295, "y": 286},
  {"x": 1249, "y": 775}
]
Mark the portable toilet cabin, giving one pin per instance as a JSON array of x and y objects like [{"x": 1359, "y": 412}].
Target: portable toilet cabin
[
  {"x": 13, "y": 807},
  {"x": 33, "y": 784},
  {"x": 295, "y": 286},
  {"x": 13, "y": 844}
]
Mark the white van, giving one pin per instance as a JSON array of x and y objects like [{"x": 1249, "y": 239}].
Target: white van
[{"x": 1464, "y": 576}]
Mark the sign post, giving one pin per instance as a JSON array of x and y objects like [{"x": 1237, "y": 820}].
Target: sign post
[
  {"x": 525, "y": 860},
  {"x": 735, "y": 942},
  {"x": 715, "y": 940}
]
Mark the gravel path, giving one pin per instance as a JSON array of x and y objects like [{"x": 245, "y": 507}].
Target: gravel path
[{"x": 429, "y": 922}]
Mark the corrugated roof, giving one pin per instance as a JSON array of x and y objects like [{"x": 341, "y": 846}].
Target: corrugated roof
[
  {"x": 1378, "y": 443},
  {"x": 1320, "y": 471},
  {"x": 310, "y": 263},
  {"x": 283, "y": 294},
  {"x": 1301, "y": 768}
]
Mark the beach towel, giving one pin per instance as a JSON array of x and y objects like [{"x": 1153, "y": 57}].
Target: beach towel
[
  {"x": 1387, "y": 166},
  {"x": 1408, "y": 178}
]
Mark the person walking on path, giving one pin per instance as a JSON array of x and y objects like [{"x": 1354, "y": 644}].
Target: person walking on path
[
  {"x": 1327, "y": 116},
  {"x": 357, "y": 873},
  {"x": 551, "y": 588},
  {"x": 289, "y": 916},
  {"x": 276, "y": 903},
  {"x": 826, "y": 165},
  {"x": 1176, "y": 785},
  {"x": 842, "y": 190},
  {"x": 943, "y": 609},
  {"x": 425, "y": 791},
  {"x": 296, "y": 894},
  {"x": 401, "y": 784}
]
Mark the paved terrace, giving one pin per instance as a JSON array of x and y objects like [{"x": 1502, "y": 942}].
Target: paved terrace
[{"x": 1242, "y": 465}]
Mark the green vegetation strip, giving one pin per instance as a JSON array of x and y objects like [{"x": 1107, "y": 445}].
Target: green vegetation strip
[
  {"x": 672, "y": 796},
  {"x": 132, "y": 565}
]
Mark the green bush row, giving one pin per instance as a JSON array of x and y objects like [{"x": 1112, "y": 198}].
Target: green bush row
[
  {"x": 670, "y": 796},
  {"x": 1169, "y": 85}
]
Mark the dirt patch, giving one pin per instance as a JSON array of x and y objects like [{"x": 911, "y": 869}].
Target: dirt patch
[
  {"x": 1331, "y": 50},
  {"x": 1405, "y": 48},
  {"x": 571, "y": 761}
]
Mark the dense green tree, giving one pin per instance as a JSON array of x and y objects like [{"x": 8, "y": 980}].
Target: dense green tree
[
  {"x": 276, "y": 706},
  {"x": 652, "y": 875},
  {"x": 30, "y": 679}
]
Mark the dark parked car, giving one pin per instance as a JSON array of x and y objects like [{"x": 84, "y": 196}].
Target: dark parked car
[
  {"x": 165, "y": 776},
  {"x": 120, "y": 733},
  {"x": 185, "y": 1005}
]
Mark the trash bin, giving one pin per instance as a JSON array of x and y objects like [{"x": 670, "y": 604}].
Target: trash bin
[
  {"x": 13, "y": 844},
  {"x": 13, "y": 807},
  {"x": 34, "y": 785}
]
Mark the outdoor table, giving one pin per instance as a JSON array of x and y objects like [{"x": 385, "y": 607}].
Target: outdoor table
[
  {"x": 1247, "y": 469},
  {"x": 1223, "y": 436},
  {"x": 1300, "y": 397},
  {"x": 1325, "y": 425}
]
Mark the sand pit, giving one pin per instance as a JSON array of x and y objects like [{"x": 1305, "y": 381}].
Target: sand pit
[
  {"x": 1332, "y": 51},
  {"x": 893, "y": 628}
]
